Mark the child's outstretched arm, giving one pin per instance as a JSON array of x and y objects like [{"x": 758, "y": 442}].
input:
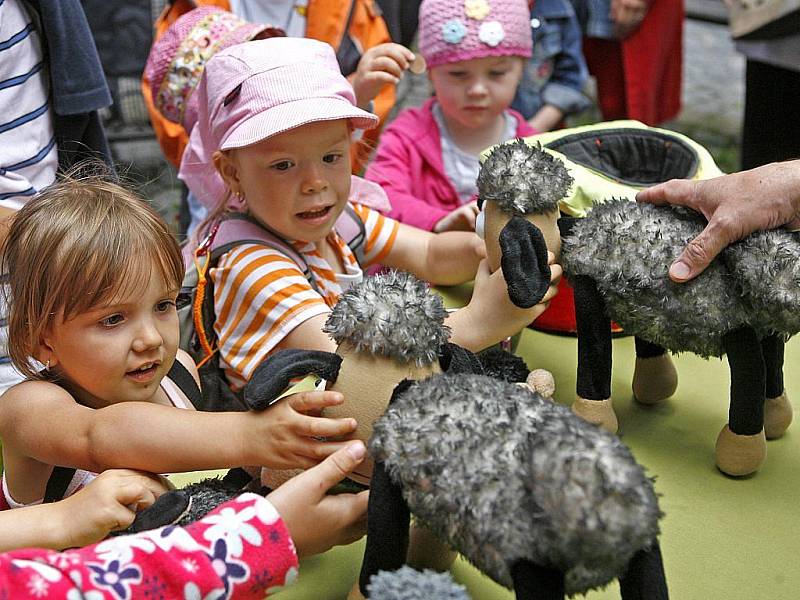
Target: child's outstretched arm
[
  {"x": 447, "y": 258},
  {"x": 158, "y": 438},
  {"x": 107, "y": 504}
]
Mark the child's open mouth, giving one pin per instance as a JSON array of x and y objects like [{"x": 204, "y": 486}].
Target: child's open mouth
[
  {"x": 144, "y": 373},
  {"x": 313, "y": 216}
]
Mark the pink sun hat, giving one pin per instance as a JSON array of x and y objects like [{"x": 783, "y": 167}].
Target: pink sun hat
[
  {"x": 455, "y": 30},
  {"x": 253, "y": 91},
  {"x": 177, "y": 59}
]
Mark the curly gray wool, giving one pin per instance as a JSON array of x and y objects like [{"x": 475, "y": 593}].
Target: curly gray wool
[
  {"x": 523, "y": 178},
  {"x": 627, "y": 248},
  {"x": 766, "y": 266},
  {"x": 207, "y": 494},
  {"x": 409, "y": 584},
  {"x": 391, "y": 314},
  {"x": 502, "y": 475}
]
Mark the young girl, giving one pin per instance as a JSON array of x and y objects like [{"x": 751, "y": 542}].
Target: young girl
[
  {"x": 94, "y": 278},
  {"x": 245, "y": 548},
  {"x": 275, "y": 120},
  {"x": 427, "y": 158}
]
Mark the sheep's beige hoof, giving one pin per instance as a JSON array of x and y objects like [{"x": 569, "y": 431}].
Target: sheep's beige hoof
[
  {"x": 654, "y": 379},
  {"x": 355, "y": 593},
  {"x": 426, "y": 551},
  {"x": 597, "y": 412},
  {"x": 777, "y": 416},
  {"x": 542, "y": 381},
  {"x": 739, "y": 455}
]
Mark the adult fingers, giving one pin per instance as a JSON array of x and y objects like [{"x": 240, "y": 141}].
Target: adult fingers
[
  {"x": 308, "y": 401},
  {"x": 680, "y": 192},
  {"x": 698, "y": 254}
]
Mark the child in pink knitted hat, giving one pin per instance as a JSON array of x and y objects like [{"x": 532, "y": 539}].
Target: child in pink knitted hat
[
  {"x": 427, "y": 159},
  {"x": 274, "y": 129}
]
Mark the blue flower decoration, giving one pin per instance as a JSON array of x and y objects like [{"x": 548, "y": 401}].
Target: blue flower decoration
[
  {"x": 453, "y": 31},
  {"x": 229, "y": 572},
  {"x": 114, "y": 577}
]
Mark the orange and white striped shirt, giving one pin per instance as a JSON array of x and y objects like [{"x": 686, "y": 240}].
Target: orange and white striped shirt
[{"x": 261, "y": 294}]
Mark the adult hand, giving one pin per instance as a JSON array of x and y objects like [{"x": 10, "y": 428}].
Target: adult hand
[
  {"x": 627, "y": 16},
  {"x": 735, "y": 206},
  {"x": 461, "y": 219},
  {"x": 109, "y": 503},
  {"x": 380, "y": 65},
  {"x": 315, "y": 520}
]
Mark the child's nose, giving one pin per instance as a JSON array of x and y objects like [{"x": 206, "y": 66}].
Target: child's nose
[
  {"x": 477, "y": 88},
  {"x": 148, "y": 337},
  {"x": 313, "y": 181}
]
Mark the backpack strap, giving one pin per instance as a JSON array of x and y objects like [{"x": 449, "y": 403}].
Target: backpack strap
[
  {"x": 58, "y": 483},
  {"x": 181, "y": 376},
  {"x": 352, "y": 230}
]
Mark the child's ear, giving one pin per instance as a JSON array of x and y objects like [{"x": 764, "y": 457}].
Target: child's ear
[
  {"x": 44, "y": 352},
  {"x": 226, "y": 167}
]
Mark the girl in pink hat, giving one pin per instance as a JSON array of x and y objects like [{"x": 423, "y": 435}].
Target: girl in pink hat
[
  {"x": 275, "y": 121},
  {"x": 427, "y": 158}
]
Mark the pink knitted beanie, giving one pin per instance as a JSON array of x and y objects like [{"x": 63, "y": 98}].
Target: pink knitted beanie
[
  {"x": 178, "y": 57},
  {"x": 454, "y": 30}
]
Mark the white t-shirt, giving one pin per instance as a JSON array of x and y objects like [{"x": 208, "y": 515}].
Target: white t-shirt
[{"x": 289, "y": 15}]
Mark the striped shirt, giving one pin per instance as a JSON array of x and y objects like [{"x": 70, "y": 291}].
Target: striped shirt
[
  {"x": 28, "y": 153},
  {"x": 261, "y": 295}
]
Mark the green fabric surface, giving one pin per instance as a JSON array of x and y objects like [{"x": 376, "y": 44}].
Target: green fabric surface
[{"x": 722, "y": 538}]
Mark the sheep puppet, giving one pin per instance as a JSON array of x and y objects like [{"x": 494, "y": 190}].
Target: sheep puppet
[
  {"x": 587, "y": 511},
  {"x": 745, "y": 305},
  {"x": 520, "y": 185}
]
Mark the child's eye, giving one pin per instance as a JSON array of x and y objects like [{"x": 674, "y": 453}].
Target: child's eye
[
  {"x": 497, "y": 74},
  {"x": 111, "y": 320},
  {"x": 283, "y": 165},
  {"x": 165, "y": 306},
  {"x": 458, "y": 74},
  {"x": 332, "y": 158}
]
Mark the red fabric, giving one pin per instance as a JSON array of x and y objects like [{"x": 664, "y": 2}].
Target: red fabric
[
  {"x": 640, "y": 77},
  {"x": 240, "y": 550},
  {"x": 560, "y": 315},
  {"x": 408, "y": 165}
]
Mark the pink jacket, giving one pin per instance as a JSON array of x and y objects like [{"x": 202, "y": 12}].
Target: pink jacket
[
  {"x": 408, "y": 165},
  {"x": 241, "y": 550}
]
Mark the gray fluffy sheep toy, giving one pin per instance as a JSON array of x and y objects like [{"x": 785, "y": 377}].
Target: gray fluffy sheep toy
[
  {"x": 520, "y": 185},
  {"x": 744, "y": 305},
  {"x": 535, "y": 497},
  {"x": 409, "y": 584}
]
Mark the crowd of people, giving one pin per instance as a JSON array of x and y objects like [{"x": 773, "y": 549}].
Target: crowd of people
[{"x": 271, "y": 111}]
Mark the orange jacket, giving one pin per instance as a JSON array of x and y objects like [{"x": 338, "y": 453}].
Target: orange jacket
[{"x": 326, "y": 20}]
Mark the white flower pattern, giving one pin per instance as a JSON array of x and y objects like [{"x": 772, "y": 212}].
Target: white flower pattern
[
  {"x": 491, "y": 33},
  {"x": 232, "y": 526}
]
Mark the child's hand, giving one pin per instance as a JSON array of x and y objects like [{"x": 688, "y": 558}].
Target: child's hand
[
  {"x": 378, "y": 66},
  {"x": 316, "y": 521},
  {"x": 461, "y": 219},
  {"x": 627, "y": 15},
  {"x": 109, "y": 503},
  {"x": 287, "y": 430}
]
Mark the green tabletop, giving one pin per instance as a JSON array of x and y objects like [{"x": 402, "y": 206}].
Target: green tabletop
[{"x": 722, "y": 538}]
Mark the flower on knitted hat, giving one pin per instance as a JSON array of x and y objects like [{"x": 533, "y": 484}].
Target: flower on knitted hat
[
  {"x": 476, "y": 9},
  {"x": 491, "y": 33},
  {"x": 453, "y": 31}
]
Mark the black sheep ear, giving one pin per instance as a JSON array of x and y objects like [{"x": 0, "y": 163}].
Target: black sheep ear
[
  {"x": 456, "y": 360},
  {"x": 271, "y": 378},
  {"x": 168, "y": 509},
  {"x": 565, "y": 225},
  {"x": 524, "y": 262}
]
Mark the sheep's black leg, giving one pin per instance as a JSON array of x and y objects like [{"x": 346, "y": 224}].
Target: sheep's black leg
[
  {"x": 645, "y": 349},
  {"x": 746, "y": 362},
  {"x": 387, "y": 528},
  {"x": 532, "y": 582},
  {"x": 594, "y": 341},
  {"x": 772, "y": 347},
  {"x": 645, "y": 579},
  {"x": 741, "y": 445}
]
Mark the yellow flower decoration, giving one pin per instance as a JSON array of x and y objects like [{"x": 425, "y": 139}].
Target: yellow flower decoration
[{"x": 476, "y": 9}]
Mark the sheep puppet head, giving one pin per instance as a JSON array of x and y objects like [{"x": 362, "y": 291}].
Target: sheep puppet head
[
  {"x": 519, "y": 188},
  {"x": 535, "y": 497}
]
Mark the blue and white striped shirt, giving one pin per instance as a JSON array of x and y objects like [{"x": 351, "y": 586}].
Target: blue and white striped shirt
[{"x": 28, "y": 152}]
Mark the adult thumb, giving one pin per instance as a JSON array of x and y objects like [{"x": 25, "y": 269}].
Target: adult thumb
[
  {"x": 337, "y": 466},
  {"x": 697, "y": 255}
]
